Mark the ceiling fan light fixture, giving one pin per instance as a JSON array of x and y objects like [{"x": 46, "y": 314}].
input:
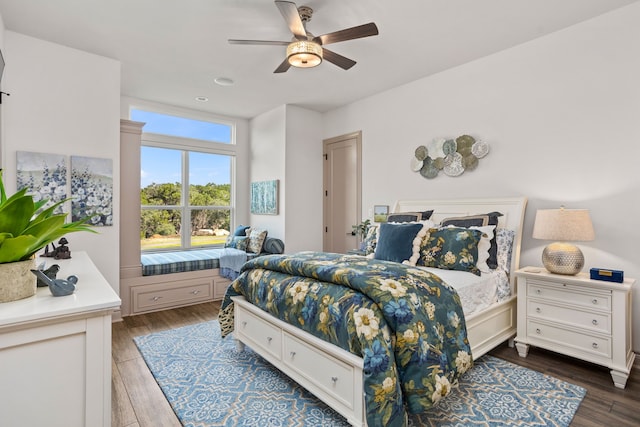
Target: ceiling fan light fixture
[{"x": 304, "y": 53}]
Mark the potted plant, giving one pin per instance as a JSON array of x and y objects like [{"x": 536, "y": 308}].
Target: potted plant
[
  {"x": 360, "y": 231},
  {"x": 24, "y": 230}
]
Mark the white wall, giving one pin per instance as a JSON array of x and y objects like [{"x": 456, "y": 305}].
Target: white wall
[
  {"x": 561, "y": 116},
  {"x": 286, "y": 144},
  {"x": 64, "y": 101}
]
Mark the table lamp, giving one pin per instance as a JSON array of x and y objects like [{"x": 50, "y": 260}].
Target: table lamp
[{"x": 563, "y": 225}]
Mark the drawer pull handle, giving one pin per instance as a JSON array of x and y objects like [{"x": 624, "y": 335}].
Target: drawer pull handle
[
  {"x": 244, "y": 324},
  {"x": 292, "y": 354},
  {"x": 538, "y": 291},
  {"x": 156, "y": 298},
  {"x": 594, "y": 345},
  {"x": 195, "y": 292},
  {"x": 269, "y": 339},
  {"x": 538, "y": 331},
  {"x": 334, "y": 379},
  {"x": 595, "y": 322},
  {"x": 595, "y": 301},
  {"x": 538, "y": 310}
]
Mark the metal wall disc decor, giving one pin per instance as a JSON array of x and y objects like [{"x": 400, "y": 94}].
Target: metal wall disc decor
[{"x": 451, "y": 156}]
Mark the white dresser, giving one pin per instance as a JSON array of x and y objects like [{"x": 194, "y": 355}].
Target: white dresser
[
  {"x": 576, "y": 316},
  {"x": 55, "y": 352}
]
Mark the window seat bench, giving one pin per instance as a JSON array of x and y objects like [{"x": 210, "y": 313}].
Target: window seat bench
[{"x": 178, "y": 278}]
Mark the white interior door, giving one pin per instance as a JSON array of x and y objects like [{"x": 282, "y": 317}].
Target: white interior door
[{"x": 342, "y": 207}]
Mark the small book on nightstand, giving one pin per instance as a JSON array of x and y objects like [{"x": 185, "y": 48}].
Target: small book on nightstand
[{"x": 608, "y": 275}]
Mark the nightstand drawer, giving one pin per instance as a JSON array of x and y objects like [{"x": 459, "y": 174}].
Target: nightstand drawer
[
  {"x": 570, "y": 294},
  {"x": 588, "y": 319},
  {"x": 588, "y": 344}
]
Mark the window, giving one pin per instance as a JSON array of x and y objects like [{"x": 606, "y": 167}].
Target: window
[{"x": 186, "y": 192}]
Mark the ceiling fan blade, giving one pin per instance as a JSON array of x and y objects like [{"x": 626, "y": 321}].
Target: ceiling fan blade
[
  {"x": 284, "y": 66},
  {"x": 289, "y": 11},
  {"x": 337, "y": 59},
  {"x": 259, "y": 42},
  {"x": 358, "y": 32}
]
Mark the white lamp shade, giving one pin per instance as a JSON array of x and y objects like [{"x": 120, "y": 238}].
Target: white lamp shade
[{"x": 563, "y": 224}]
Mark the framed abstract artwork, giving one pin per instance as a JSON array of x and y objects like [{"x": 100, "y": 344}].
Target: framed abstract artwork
[
  {"x": 92, "y": 190},
  {"x": 45, "y": 176},
  {"x": 264, "y": 197}
]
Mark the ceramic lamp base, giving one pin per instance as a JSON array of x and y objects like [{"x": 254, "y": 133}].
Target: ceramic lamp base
[{"x": 563, "y": 258}]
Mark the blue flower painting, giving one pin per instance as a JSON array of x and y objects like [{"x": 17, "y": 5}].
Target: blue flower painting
[
  {"x": 92, "y": 190},
  {"x": 45, "y": 176}
]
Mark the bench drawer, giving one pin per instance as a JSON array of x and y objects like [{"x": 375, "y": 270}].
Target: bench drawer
[{"x": 159, "y": 296}]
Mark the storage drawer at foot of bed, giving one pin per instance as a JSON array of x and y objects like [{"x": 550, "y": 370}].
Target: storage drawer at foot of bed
[
  {"x": 332, "y": 376},
  {"x": 155, "y": 297},
  {"x": 258, "y": 331}
]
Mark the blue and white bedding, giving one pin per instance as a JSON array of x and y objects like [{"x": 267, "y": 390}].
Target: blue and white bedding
[{"x": 405, "y": 322}]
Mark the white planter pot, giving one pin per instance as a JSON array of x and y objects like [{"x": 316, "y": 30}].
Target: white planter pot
[{"x": 17, "y": 281}]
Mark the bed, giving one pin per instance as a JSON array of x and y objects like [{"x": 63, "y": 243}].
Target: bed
[{"x": 337, "y": 369}]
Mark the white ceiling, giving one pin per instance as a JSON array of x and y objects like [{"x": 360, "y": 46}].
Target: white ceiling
[{"x": 171, "y": 50}]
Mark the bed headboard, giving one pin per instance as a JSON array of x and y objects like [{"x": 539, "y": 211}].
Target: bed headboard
[{"x": 512, "y": 209}]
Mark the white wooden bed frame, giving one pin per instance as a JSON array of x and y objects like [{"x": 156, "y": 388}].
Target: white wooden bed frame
[{"x": 335, "y": 375}]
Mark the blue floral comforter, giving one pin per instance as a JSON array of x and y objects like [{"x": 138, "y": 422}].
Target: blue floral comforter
[{"x": 406, "y": 323}]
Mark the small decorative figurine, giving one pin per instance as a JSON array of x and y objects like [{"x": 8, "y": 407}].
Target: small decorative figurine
[
  {"x": 50, "y": 272},
  {"x": 61, "y": 252},
  {"x": 58, "y": 287}
]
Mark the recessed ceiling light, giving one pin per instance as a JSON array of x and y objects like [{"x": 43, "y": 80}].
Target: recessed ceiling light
[
  {"x": 223, "y": 81},
  {"x": 202, "y": 98}
]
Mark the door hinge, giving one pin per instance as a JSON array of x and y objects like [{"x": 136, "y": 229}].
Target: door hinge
[
  {"x": 326, "y": 156},
  {"x": 326, "y": 229},
  {"x": 326, "y": 193}
]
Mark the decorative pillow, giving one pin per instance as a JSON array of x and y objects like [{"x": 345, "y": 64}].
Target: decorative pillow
[
  {"x": 479, "y": 221},
  {"x": 451, "y": 248},
  {"x": 395, "y": 241},
  {"x": 238, "y": 242},
  {"x": 409, "y": 216},
  {"x": 370, "y": 240},
  {"x": 483, "y": 247},
  {"x": 256, "y": 239},
  {"x": 505, "y": 238},
  {"x": 273, "y": 246},
  {"x": 241, "y": 230}
]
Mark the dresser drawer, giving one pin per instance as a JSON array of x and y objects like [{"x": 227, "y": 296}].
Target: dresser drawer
[
  {"x": 570, "y": 294},
  {"x": 154, "y": 297},
  {"x": 589, "y": 319},
  {"x": 259, "y": 331},
  {"x": 579, "y": 341},
  {"x": 331, "y": 375}
]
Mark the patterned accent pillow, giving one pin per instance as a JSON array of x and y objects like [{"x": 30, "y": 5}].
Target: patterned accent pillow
[
  {"x": 370, "y": 240},
  {"x": 256, "y": 240},
  {"x": 480, "y": 220},
  {"x": 238, "y": 242},
  {"x": 505, "y": 238},
  {"x": 451, "y": 248}
]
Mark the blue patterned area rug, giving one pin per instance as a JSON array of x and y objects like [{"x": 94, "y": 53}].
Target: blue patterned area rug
[{"x": 209, "y": 383}]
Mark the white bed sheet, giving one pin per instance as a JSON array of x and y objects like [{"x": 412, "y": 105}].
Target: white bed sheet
[{"x": 476, "y": 292}]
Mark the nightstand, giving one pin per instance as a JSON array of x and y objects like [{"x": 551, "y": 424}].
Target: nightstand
[{"x": 576, "y": 316}]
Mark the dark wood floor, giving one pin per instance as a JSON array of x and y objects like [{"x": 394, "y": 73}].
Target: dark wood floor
[{"x": 138, "y": 402}]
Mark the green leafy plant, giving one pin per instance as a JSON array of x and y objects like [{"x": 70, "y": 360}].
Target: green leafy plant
[
  {"x": 361, "y": 229},
  {"x": 24, "y": 230}
]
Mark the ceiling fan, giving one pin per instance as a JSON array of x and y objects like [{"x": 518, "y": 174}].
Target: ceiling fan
[{"x": 306, "y": 50}]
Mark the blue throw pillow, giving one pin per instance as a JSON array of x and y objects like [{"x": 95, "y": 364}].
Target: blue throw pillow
[
  {"x": 241, "y": 230},
  {"x": 395, "y": 241},
  {"x": 238, "y": 242}
]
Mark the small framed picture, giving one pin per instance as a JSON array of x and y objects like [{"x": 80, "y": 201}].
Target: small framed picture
[{"x": 380, "y": 213}]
